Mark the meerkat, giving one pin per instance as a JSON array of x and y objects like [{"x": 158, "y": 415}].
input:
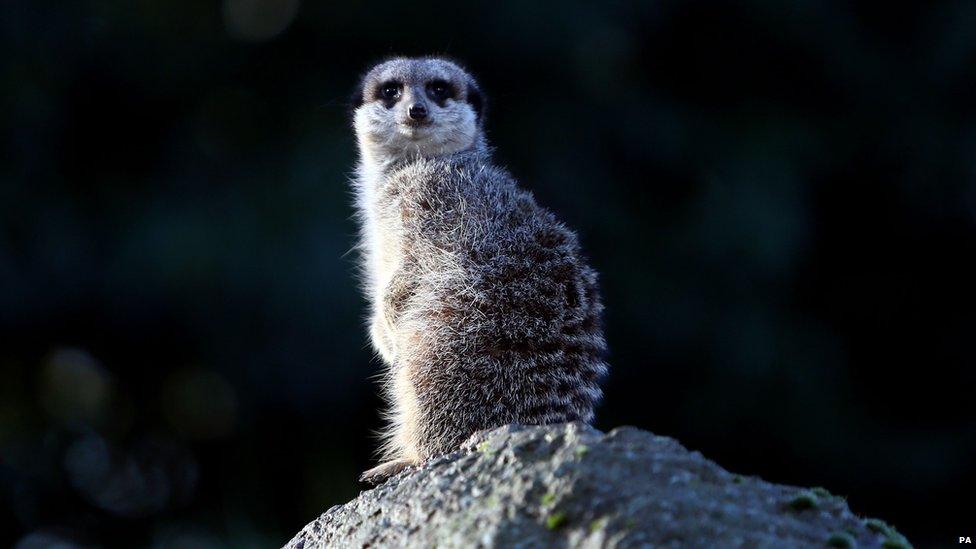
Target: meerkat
[{"x": 482, "y": 308}]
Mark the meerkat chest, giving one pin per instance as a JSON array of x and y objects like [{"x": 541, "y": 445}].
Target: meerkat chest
[
  {"x": 385, "y": 241},
  {"x": 389, "y": 255}
]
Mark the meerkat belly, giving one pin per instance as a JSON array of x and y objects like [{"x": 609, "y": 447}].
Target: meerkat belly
[{"x": 386, "y": 262}]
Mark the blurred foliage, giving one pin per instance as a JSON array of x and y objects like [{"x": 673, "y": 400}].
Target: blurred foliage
[{"x": 780, "y": 198}]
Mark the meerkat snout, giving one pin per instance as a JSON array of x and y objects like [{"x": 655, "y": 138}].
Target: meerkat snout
[{"x": 417, "y": 112}]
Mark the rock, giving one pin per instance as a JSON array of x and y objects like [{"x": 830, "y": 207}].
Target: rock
[{"x": 572, "y": 485}]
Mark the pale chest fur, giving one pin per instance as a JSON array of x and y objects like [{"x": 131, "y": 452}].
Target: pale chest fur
[{"x": 381, "y": 244}]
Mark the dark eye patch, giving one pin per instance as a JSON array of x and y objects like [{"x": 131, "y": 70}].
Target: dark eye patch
[
  {"x": 440, "y": 91},
  {"x": 389, "y": 92}
]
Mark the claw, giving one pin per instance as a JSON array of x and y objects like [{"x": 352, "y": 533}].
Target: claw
[{"x": 384, "y": 471}]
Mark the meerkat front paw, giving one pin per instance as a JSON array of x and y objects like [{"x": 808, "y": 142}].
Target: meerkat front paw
[{"x": 384, "y": 471}]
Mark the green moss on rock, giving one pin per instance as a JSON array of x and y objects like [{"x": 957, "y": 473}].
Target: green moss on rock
[
  {"x": 841, "y": 539},
  {"x": 896, "y": 541},
  {"x": 804, "y": 501},
  {"x": 556, "y": 520}
]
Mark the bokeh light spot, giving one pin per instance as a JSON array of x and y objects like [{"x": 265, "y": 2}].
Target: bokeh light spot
[
  {"x": 258, "y": 20},
  {"x": 75, "y": 388},
  {"x": 200, "y": 404}
]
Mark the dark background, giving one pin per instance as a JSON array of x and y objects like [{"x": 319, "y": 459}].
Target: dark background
[{"x": 781, "y": 200}]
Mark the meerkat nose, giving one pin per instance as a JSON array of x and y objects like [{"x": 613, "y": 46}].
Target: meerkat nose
[{"x": 417, "y": 112}]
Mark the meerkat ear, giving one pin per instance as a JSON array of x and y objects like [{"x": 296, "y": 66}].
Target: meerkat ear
[
  {"x": 356, "y": 100},
  {"x": 477, "y": 101}
]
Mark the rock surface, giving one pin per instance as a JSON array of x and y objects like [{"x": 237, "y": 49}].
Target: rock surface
[{"x": 570, "y": 485}]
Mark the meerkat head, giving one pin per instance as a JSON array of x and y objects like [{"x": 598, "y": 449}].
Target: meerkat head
[{"x": 417, "y": 107}]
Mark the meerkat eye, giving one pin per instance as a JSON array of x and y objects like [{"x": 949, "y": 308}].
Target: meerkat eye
[
  {"x": 390, "y": 91},
  {"x": 439, "y": 90}
]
